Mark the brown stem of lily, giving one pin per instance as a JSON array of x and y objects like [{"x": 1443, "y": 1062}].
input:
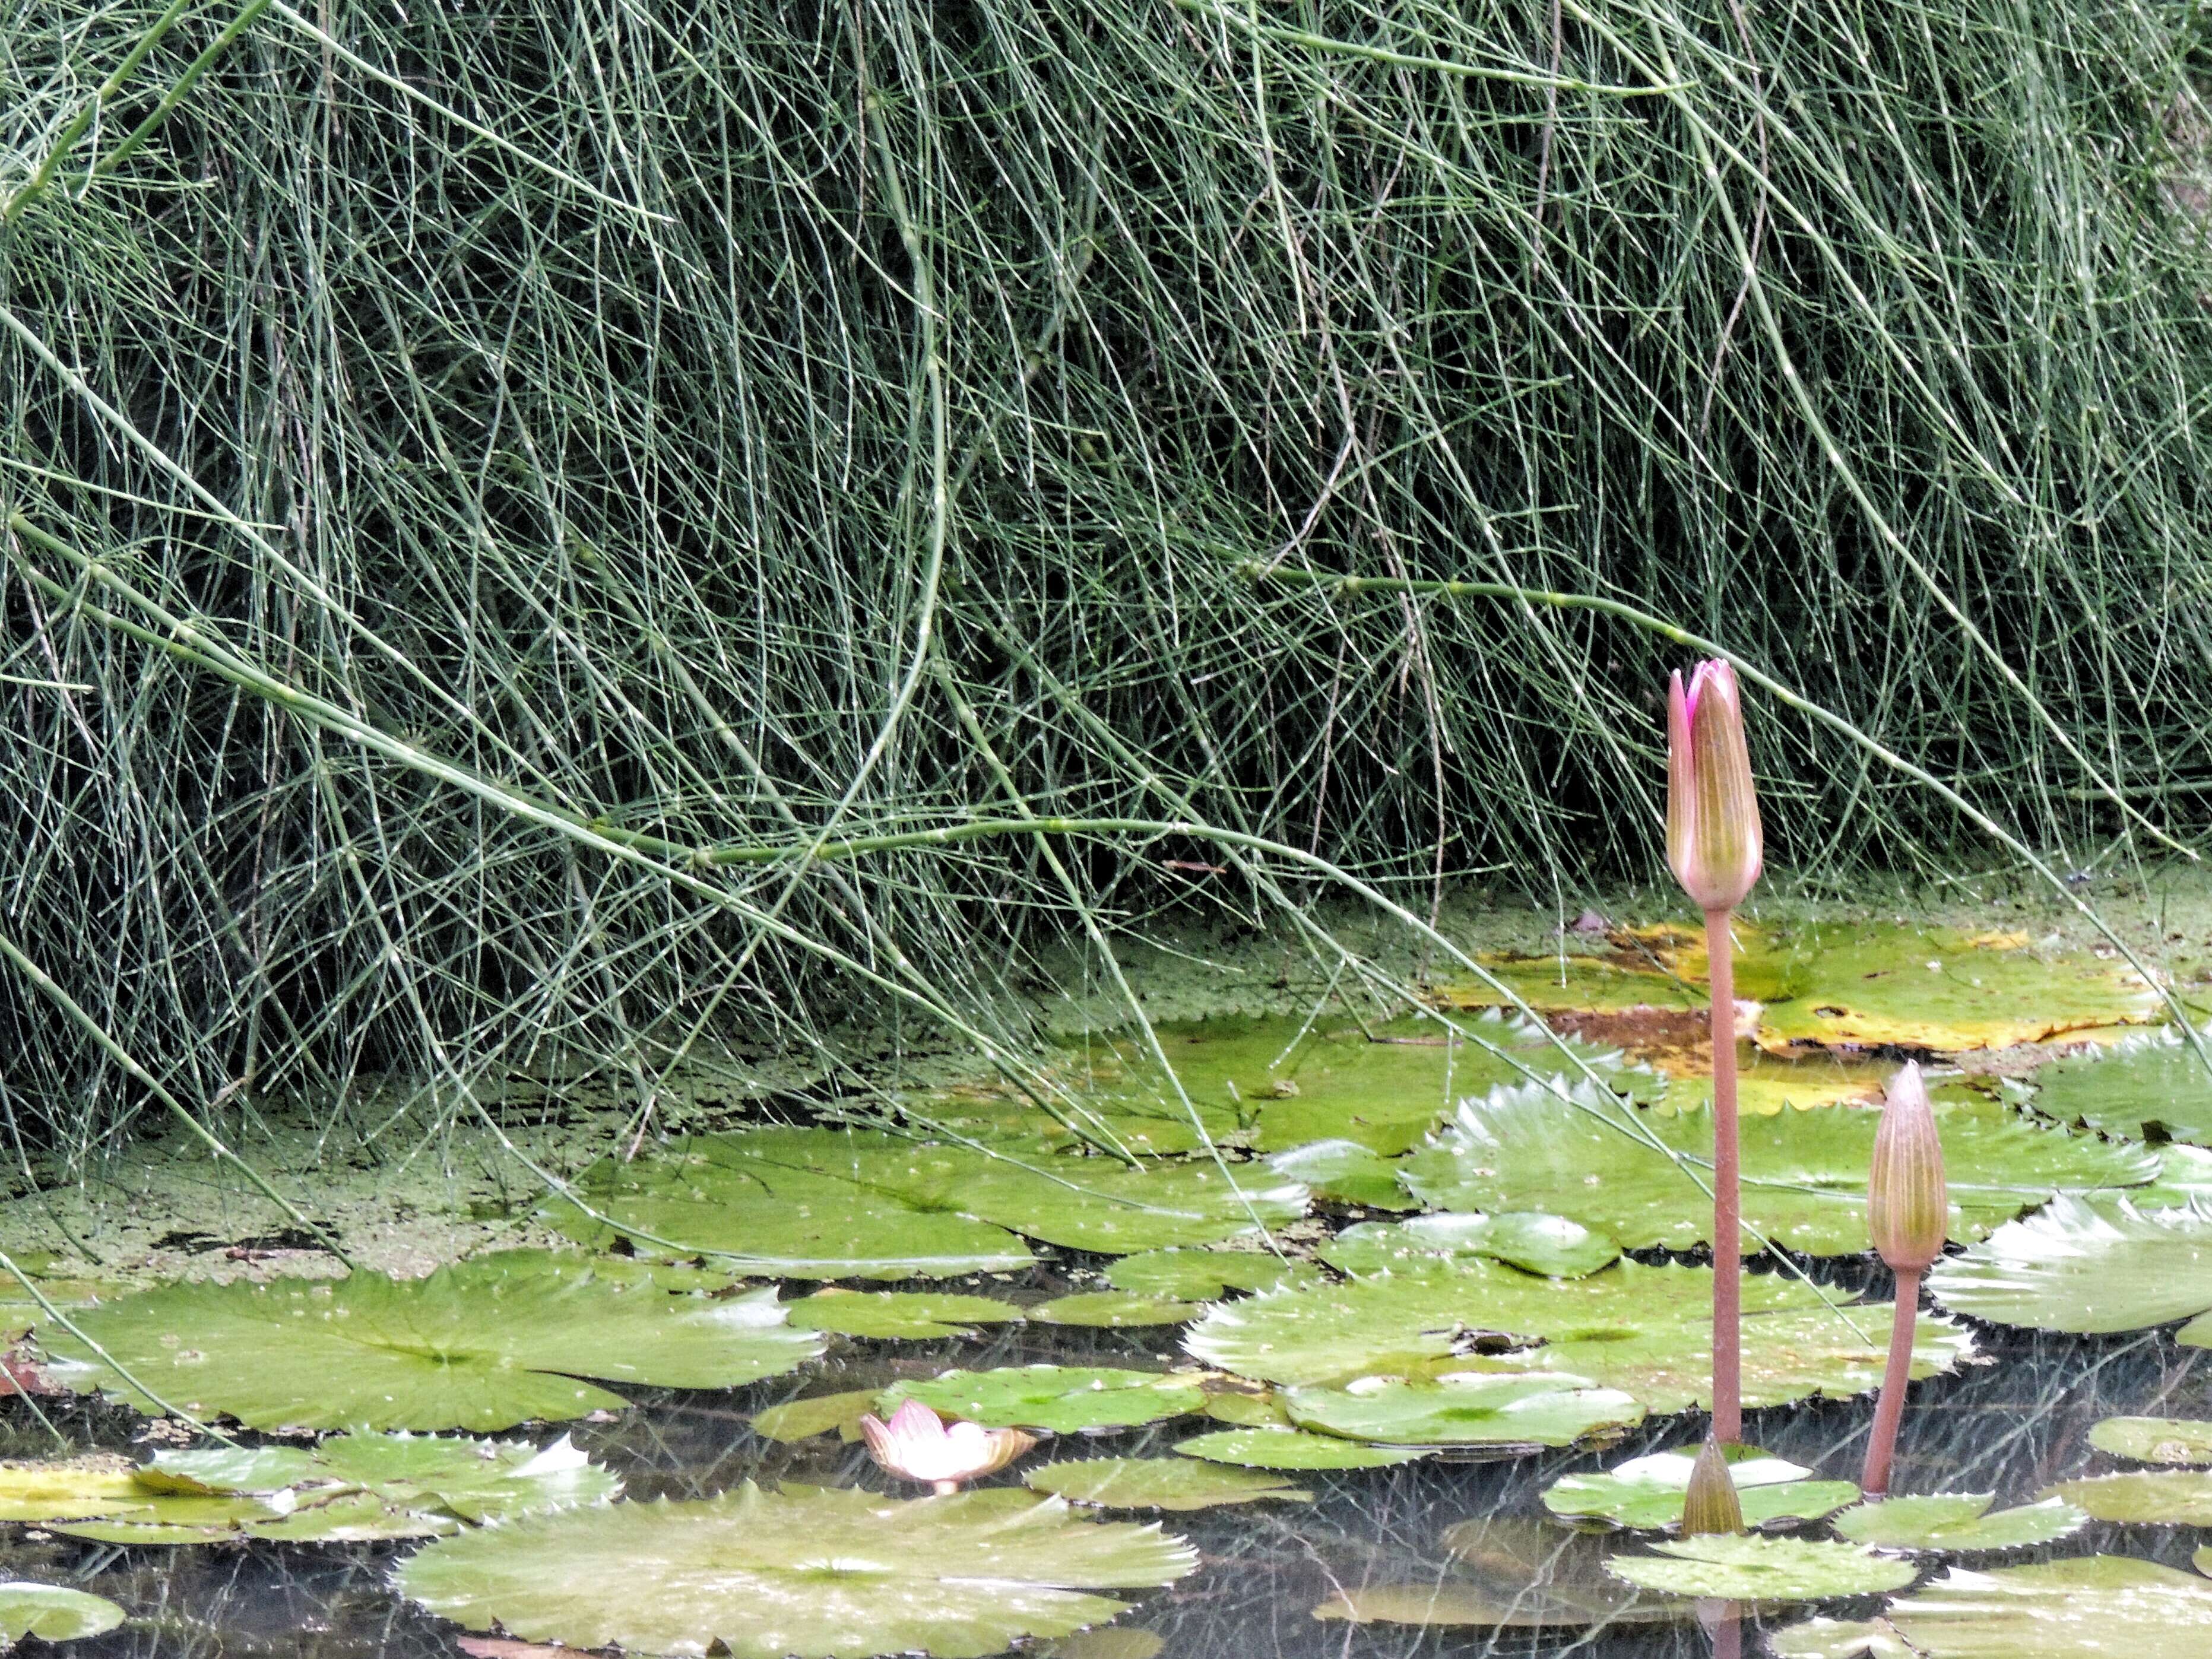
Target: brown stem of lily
[
  {"x": 1728, "y": 1241},
  {"x": 1875, "y": 1482}
]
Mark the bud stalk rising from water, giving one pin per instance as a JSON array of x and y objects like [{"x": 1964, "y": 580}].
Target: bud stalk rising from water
[
  {"x": 1908, "y": 1215},
  {"x": 1710, "y": 1504}
]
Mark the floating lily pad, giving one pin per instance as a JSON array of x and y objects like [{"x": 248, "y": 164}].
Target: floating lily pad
[
  {"x": 2152, "y": 1082},
  {"x": 1346, "y": 1172},
  {"x": 53, "y": 1614},
  {"x": 1612, "y": 1168},
  {"x": 1838, "y": 1638},
  {"x": 1645, "y": 1330},
  {"x": 1293, "y": 1448},
  {"x": 1501, "y": 1413},
  {"x": 484, "y": 1344},
  {"x": 2155, "y": 1439},
  {"x": 1262, "y": 1410},
  {"x": 1647, "y": 1492},
  {"x": 1550, "y": 1245},
  {"x": 1064, "y": 1399},
  {"x": 2096, "y": 1606},
  {"x": 2166, "y": 1497},
  {"x": 1751, "y": 1567},
  {"x": 1159, "y": 1483},
  {"x": 1106, "y": 1642},
  {"x": 2089, "y": 1267},
  {"x": 1512, "y": 1574},
  {"x": 1767, "y": 1085},
  {"x": 803, "y": 1572},
  {"x": 1957, "y": 1523},
  {"x": 802, "y": 1420},
  {"x": 1115, "y": 1309},
  {"x": 915, "y": 1315},
  {"x": 67, "y": 1491},
  {"x": 1207, "y": 1275}
]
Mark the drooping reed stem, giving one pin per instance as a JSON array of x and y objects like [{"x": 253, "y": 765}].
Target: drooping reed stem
[
  {"x": 1882, "y": 1444},
  {"x": 1728, "y": 1249}
]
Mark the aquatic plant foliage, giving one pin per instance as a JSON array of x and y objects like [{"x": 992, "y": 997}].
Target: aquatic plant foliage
[
  {"x": 2081, "y": 1607},
  {"x": 1207, "y": 1275},
  {"x": 1646, "y": 1492},
  {"x": 1550, "y": 1245},
  {"x": 914, "y": 1316},
  {"x": 1497, "y": 1413},
  {"x": 52, "y": 1613},
  {"x": 1957, "y": 1523},
  {"x": 2154, "y": 1082},
  {"x": 2162, "y": 1497},
  {"x": 821, "y": 1413},
  {"x": 1293, "y": 1449},
  {"x": 1063, "y": 1399},
  {"x": 1159, "y": 1483},
  {"x": 1115, "y": 1309},
  {"x": 2089, "y": 1267},
  {"x": 1510, "y": 1573},
  {"x": 2155, "y": 1439},
  {"x": 1751, "y": 1567},
  {"x": 1346, "y": 1172}
]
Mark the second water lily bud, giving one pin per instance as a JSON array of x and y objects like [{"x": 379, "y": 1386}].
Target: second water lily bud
[
  {"x": 1714, "y": 843},
  {"x": 1908, "y": 1205},
  {"x": 917, "y": 1445},
  {"x": 1710, "y": 1504}
]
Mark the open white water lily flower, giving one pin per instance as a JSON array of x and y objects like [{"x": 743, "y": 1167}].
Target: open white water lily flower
[{"x": 917, "y": 1445}]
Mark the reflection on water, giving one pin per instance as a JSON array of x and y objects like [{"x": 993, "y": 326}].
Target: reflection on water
[{"x": 1470, "y": 1538}]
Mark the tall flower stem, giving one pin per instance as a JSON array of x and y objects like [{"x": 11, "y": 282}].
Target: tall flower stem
[
  {"x": 1882, "y": 1444},
  {"x": 1728, "y": 1241}
]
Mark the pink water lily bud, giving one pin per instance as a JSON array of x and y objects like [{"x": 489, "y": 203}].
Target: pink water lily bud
[
  {"x": 1714, "y": 845},
  {"x": 1710, "y": 1504},
  {"x": 1908, "y": 1205},
  {"x": 917, "y": 1445}
]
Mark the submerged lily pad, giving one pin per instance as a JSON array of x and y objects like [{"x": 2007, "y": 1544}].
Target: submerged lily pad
[
  {"x": 1207, "y": 1275},
  {"x": 485, "y": 1344},
  {"x": 1114, "y": 1310},
  {"x": 2089, "y": 1267},
  {"x": 1064, "y": 1399},
  {"x": 1499, "y": 1412},
  {"x": 2096, "y": 1606},
  {"x": 2152, "y": 1082},
  {"x": 1612, "y": 1168},
  {"x": 802, "y": 1420},
  {"x": 1550, "y": 1245},
  {"x": 2155, "y": 1439},
  {"x": 1644, "y": 1330},
  {"x": 804, "y": 1571},
  {"x": 1750, "y": 1567},
  {"x": 898, "y": 1314},
  {"x": 53, "y": 1614},
  {"x": 1647, "y": 1492},
  {"x": 1838, "y": 1638},
  {"x": 1294, "y": 1450},
  {"x": 1957, "y": 1523},
  {"x": 1512, "y": 1574},
  {"x": 2165, "y": 1498},
  {"x": 1159, "y": 1483}
]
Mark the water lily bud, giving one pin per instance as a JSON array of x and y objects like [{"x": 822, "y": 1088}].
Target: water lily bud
[
  {"x": 916, "y": 1445},
  {"x": 1908, "y": 1207},
  {"x": 1710, "y": 1504},
  {"x": 1714, "y": 844}
]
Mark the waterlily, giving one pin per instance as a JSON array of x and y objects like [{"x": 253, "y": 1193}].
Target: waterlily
[
  {"x": 1908, "y": 1216},
  {"x": 917, "y": 1444},
  {"x": 1715, "y": 848},
  {"x": 1709, "y": 1503}
]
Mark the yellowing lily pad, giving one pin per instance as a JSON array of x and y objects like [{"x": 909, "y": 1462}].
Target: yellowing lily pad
[
  {"x": 1063, "y": 1399},
  {"x": 1159, "y": 1483}
]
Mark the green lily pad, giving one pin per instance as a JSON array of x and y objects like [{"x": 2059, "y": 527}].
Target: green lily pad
[
  {"x": 1159, "y": 1483},
  {"x": 915, "y": 1314},
  {"x": 1501, "y": 1413},
  {"x": 1647, "y": 1492},
  {"x": 1511, "y": 1573},
  {"x": 802, "y": 1420},
  {"x": 53, "y": 1614},
  {"x": 484, "y": 1344},
  {"x": 2155, "y": 1439},
  {"x": 1957, "y": 1523},
  {"x": 1293, "y": 1449},
  {"x": 1751, "y": 1567},
  {"x": 2165, "y": 1498},
  {"x": 1346, "y": 1172},
  {"x": 1550, "y": 1245},
  {"x": 2154, "y": 1081},
  {"x": 1064, "y": 1399},
  {"x": 1106, "y": 1642},
  {"x": 1838, "y": 1638},
  {"x": 1608, "y": 1166},
  {"x": 1263, "y": 1410},
  {"x": 1644, "y": 1330},
  {"x": 1207, "y": 1275},
  {"x": 804, "y": 1571},
  {"x": 1115, "y": 1309},
  {"x": 2095, "y": 1606},
  {"x": 2089, "y": 1267}
]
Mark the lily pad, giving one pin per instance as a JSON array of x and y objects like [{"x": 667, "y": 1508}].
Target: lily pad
[
  {"x": 802, "y": 1420},
  {"x": 2166, "y": 1497},
  {"x": 1207, "y": 1275},
  {"x": 1751, "y": 1567},
  {"x": 1550, "y": 1245},
  {"x": 1838, "y": 1638},
  {"x": 915, "y": 1315},
  {"x": 1647, "y": 1492},
  {"x": 1497, "y": 1412},
  {"x": 803, "y": 1572},
  {"x": 1644, "y": 1330},
  {"x": 484, "y": 1344},
  {"x": 53, "y": 1614},
  {"x": 1063, "y": 1399},
  {"x": 2155, "y": 1439},
  {"x": 1346, "y": 1172},
  {"x": 1293, "y": 1448},
  {"x": 2154, "y": 1082},
  {"x": 1159, "y": 1483},
  {"x": 1115, "y": 1309},
  {"x": 1612, "y": 1168},
  {"x": 1262, "y": 1410},
  {"x": 2089, "y": 1267},
  {"x": 1957, "y": 1523},
  {"x": 1511, "y": 1574},
  {"x": 2095, "y": 1606}
]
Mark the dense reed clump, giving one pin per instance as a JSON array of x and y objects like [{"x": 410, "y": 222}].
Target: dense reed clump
[{"x": 464, "y": 464}]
